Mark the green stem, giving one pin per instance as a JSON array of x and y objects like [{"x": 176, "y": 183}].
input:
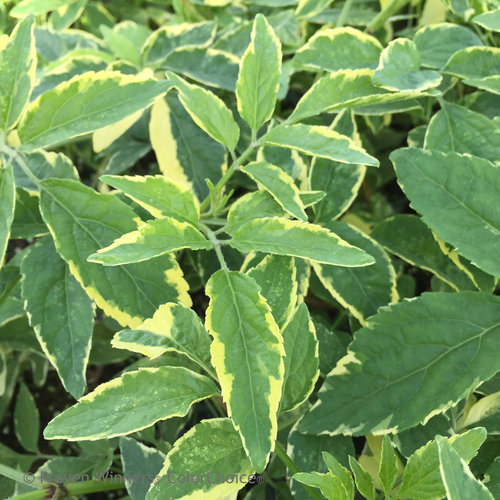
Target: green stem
[
  {"x": 74, "y": 489},
  {"x": 216, "y": 243},
  {"x": 388, "y": 11},
  {"x": 282, "y": 455},
  {"x": 216, "y": 221},
  {"x": 22, "y": 164},
  {"x": 254, "y": 144},
  {"x": 14, "y": 474},
  {"x": 344, "y": 13}
]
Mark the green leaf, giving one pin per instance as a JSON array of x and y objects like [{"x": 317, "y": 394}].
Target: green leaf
[
  {"x": 279, "y": 185},
  {"x": 26, "y": 420},
  {"x": 361, "y": 291},
  {"x": 181, "y": 147},
  {"x": 306, "y": 452},
  {"x": 28, "y": 222},
  {"x": 478, "y": 66},
  {"x": 83, "y": 104},
  {"x": 208, "y": 112},
  {"x": 141, "y": 461},
  {"x": 456, "y": 196},
  {"x": 125, "y": 40},
  {"x": 122, "y": 406},
  {"x": 66, "y": 15},
  {"x": 338, "y": 49},
  {"x": 247, "y": 352},
  {"x": 329, "y": 485},
  {"x": 208, "y": 66},
  {"x": 364, "y": 482},
  {"x": 456, "y": 128},
  {"x": 82, "y": 221},
  {"x": 344, "y": 89},
  {"x": 398, "y": 373},
  {"x": 152, "y": 239},
  {"x": 310, "y": 198},
  {"x": 249, "y": 207},
  {"x": 457, "y": 477},
  {"x": 488, "y": 20},
  {"x": 17, "y": 72},
  {"x": 60, "y": 312},
  {"x": 298, "y": 239},
  {"x": 276, "y": 277},
  {"x": 7, "y": 205},
  {"x": 212, "y": 449},
  {"x": 436, "y": 43},
  {"x": 43, "y": 165},
  {"x": 259, "y": 76},
  {"x": 173, "y": 327},
  {"x": 310, "y": 8},
  {"x": 37, "y": 7},
  {"x": 160, "y": 196},
  {"x": 341, "y": 472},
  {"x": 170, "y": 37},
  {"x": 340, "y": 181},
  {"x": 486, "y": 413},
  {"x": 408, "y": 237},
  {"x": 399, "y": 68},
  {"x": 388, "y": 469},
  {"x": 492, "y": 477},
  {"x": 421, "y": 478},
  {"x": 320, "y": 141},
  {"x": 301, "y": 359}
]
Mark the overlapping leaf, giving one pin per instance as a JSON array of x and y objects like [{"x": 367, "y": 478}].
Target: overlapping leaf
[
  {"x": 456, "y": 196},
  {"x": 298, "y": 239},
  {"x": 60, "y": 312},
  {"x": 83, "y": 221},
  {"x": 259, "y": 76},
  {"x": 152, "y": 239},
  {"x": 247, "y": 352},
  {"x": 413, "y": 359},
  {"x": 211, "y": 448},
  {"x": 122, "y": 406},
  {"x": 83, "y": 104}
]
